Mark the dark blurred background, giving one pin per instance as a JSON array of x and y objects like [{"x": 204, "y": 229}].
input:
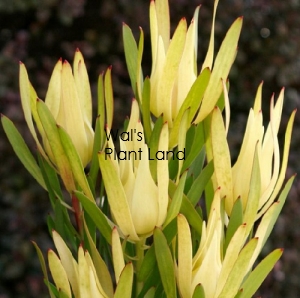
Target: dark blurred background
[{"x": 39, "y": 32}]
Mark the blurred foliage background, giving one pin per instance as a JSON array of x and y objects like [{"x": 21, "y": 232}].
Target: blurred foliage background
[{"x": 38, "y": 32}]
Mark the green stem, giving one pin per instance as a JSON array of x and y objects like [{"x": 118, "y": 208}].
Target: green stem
[{"x": 139, "y": 250}]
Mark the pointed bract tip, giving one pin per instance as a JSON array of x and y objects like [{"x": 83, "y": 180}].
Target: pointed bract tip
[
  {"x": 20, "y": 62},
  {"x": 110, "y": 67},
  {"x": 60, "y": 59},
  {"x": 77, "y": 49}
]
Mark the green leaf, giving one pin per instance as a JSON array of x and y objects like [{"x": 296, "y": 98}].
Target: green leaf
[
  {"x": 153, "y": 145},
  {"x": 59, "y": 219},
  {"x": 197, "y": 143},
  {"x": 254, "y": 194},
  {"x": 258, "y": 275},
  {"x": 59, "y": 274},
  {"x": 222, "y": 159},
  {"x": 51, "y": 180},
  {"x": 200, "y": 183},
  {"x": 101, "y": 109},
  {"x": 146, "y": 109},
  {"x": 222, "y": 65},
  {"x": 94, "y": 169},
  {"x": 22, "y": 150},
  {"x": 208, "y": 61},
  {"x": 75, "y": 162},
  {"x": 152, "y": 280},
  {"x": 124, "y": 286},
  {"x": 131, "y": 54},
  {"x": 236, "y": 219},
  {"x": 176, "y": 201},
  {"x": 192, "y": 101},
  {"x": 170, "y": 70},
  {"x": 57, "y": 149},
  {"x": 188, "y": 210},
  {"x": 139, "y": 72},
  {"x": 43, "y": 265},
  {"x": 109, "y": 98},
  {"x": 239, "y": 270},
  {"x": 165, "y": 263},
  {"x": 147, "y": 266},
  {"x": 269, "y": 219},
  {"x": 62, "y": 294},
  {"x": 199, "y": 292},
  {"x": 96, "y": 214},
  {"x": 197, "y": 165}
]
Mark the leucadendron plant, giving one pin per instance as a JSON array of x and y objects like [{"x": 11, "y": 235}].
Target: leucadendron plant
[{"x": 167, "y": 214}]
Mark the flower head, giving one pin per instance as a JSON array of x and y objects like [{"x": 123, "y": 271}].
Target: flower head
[
  {"x": 137, "y": 202},
  {"x": 174, "y": 67},
  {"x": 69, "y": 101}
]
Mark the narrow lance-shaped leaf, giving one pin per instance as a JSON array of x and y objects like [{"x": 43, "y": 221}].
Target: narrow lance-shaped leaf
[
  {"x": 192, "y": 101},
  {"x": 100, "y": 219},
  {"x": 75, "y": 162},
  {"x": 117, "y": 254},
  {"x": 109, "y": 99},
  {"x": 239, "y": 270},
  {"x": 254, "y": 194},
  {"x": 169, "y": 73},
  {"x": 67, "y": 262},
  {"x": 61, "y": 159},
  {"x": 139, "y": 76},
  {"x": 222, "y": 65},
  {"x": 43, "y": 266},
  {"x": 281, "y": 177},
  {"x": 208, "y": 62},
  {"x": 185, "y": 254},
  {"x": 131, "y": 54},
  {"x": 101, "y": 109},
  {"x": 28, "y": 98},
  {"x": 124, "y": 286},
  {"x": 165, "y": 263},
  {"x": 221, "y": 155},
  {"x": 175, "y": 204},
  {"x": 258, "y": 275},
  {"x": 145, "y": 109},
  {"x": 58, "y": 273},
  {"x": 268, "y": 220},
  {"x": 22, "y": 150}
]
